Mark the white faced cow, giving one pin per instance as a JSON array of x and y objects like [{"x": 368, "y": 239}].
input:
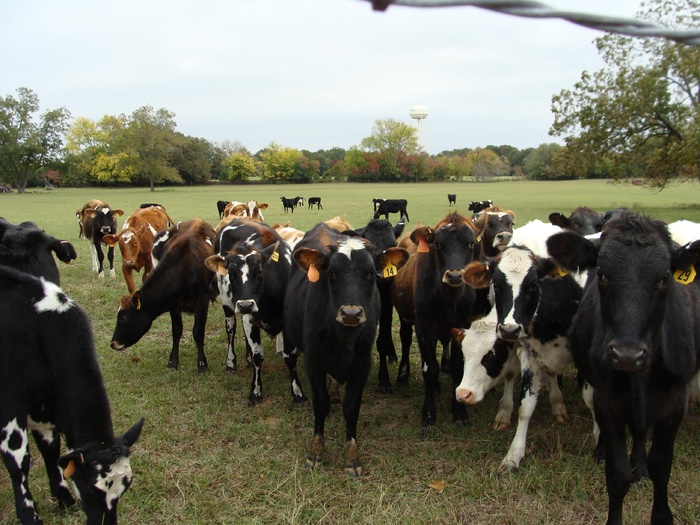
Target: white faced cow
[{"x": 97, "y": 219}]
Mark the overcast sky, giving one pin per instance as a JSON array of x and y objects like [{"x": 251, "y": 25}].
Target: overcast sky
[{"x": 305, "y": 74}]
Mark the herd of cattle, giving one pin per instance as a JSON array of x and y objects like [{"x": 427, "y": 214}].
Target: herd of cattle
[{"x": 613, "y": 293}]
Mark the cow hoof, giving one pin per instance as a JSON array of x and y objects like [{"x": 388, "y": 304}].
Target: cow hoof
[
  {"x": 298, "y": 400},
  {"x": 315, "y": 455},
  {"x": 561, "y": 418},
  {"x": 402, "y": 379},
  {"x": 230, "y": 370},
  {"x": 385, "y": 389},
  {"x": 253, "y": 399},
  {"x": 428, "y": 430},
  {"x": 507, "y": 466},
  {"x": 173, "y": 364},
  {"x": 501, "y": 425},
  {"x": 65, "y": 500},
  {"x": 202, "y": 368},
  {"x": 462, "y": 422},
  {"x": 353, "y": 467}
]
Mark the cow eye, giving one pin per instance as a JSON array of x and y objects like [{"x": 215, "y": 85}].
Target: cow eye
[
  {"x": 663, "y": 281},
  {"x": 602, "y": 278}
]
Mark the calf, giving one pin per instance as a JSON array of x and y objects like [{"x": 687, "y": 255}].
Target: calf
[
  {"x": 252, "y": 265},
  {"x": 315, "y": 201},
  {"x": 51, "y": 384},
  {"x": 376, "y": 203},
  {"x": 331, "y": 310},
  {"x": 452, "y": 198},
  {"x": 299, "y": 201},
  {"x": 388, "y": 206},
  {"x": 97, "y": 220},
  {"x": 179, "y": 283},
  {"x": 288, "y": 204},
  {"x": 136, "y": 241},
  {"x": 583, "y": 220},
  {"x": 28, "y": 248},
  {"x": 429, "y": 293},
  {"x": 478, "y": 206},
  {"x": 636, "y": 340}
]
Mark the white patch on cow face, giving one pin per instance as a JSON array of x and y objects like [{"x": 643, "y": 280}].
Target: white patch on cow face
[
  {"x": 127, "y": 236},
  {"x": 45, "y": 429},
  {"x": 245, "y": 269},
  {"x": 350, "y": 245},
  {"x": 10, "y": 430},
  {"x": 54, "y": 299},
  {"x": 114, "y": 481},
  {"x": 478, "y": 341},
  {"x": 514, "y": 264}
]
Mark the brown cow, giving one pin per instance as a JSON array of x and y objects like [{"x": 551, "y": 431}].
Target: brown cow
[
  {"x": 136, "y": 241},
  {"x": 97, "y": 219},
  {"x": 251, "y": 209}
]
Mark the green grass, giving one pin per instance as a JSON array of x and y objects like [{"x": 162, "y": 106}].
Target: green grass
[{"x": 206, "y": 457}]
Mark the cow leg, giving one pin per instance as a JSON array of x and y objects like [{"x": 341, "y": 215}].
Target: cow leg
[
  {"x": 93, "y": 254},
  {"x": 531, "y": 381},
  {"x": 660, "y": 461},
  {"x": 322, "y": 405},
  {"x": 230, "y": 323},
  {"x": 252, "y": 336},
  {"x": 351, "y": 413},
  {"x": 406, "y": 335},
  {"x": 445, "y": 359},
  {"x": 198, "y": 332},
  {"x": 587, "y": 394},
  {"x": 431, "y": 375},
  {"x": 48, "y": 441},
  {"x": 100, "y": 260},
  {"x": 291, "y": 355},
  {"x": 694, "y": 392},
  {"x": 14, "y": 447},
  {"x": 505, "y": 406},
  {"x": 110, "y": 258},
  {"x": 459, "y": 410},
  {"x": 176, "y": 328},
  {"x": 556, "y": 399},
  {"x": 385, "y": 343}
]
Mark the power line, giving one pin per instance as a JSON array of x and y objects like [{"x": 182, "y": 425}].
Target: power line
[{"x": 534, "y": 9}]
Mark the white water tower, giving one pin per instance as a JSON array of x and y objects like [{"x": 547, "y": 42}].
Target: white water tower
[{"x": 419, "y": 120}]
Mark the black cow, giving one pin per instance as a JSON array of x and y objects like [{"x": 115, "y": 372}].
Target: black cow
[
  {"x": 179, "y": 283},
  {"x": 28, "y": 248},
  {"x": 51, "y": 384},
  {"x": 636, "y": 340},
  {"x": 252, "y": 265},
  {"x": 288, "y": 204},
  {"x": 494, "y": 230},
  {"x": 376, "y": 203},
  {"x": 316, "y": 201},
  {"x": 331, "y": 311},
  {"x": 452, "y": 198},
  {"x": 392, "y": 206},
  {"x": 221, "y": 207},
  {"x": 429, "y": 293},
  {"x": 583, "y": 220},
  {"x": 96, "y": 220},
  {"x": 145, "y": 205},
  {"x": 477, "y": 206},
  {"x": 382, "y": 236}
]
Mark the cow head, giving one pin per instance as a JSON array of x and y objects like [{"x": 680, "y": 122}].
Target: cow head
[
  {"x": 494, "y": 230},
  {"x": 101, "y": 475},
  {"x": 104, "y": 218},
  {"x": 131, "y": 243},
  {"x": 132, "y": 322},
  {"x": 637, "y": 268},
  {"x": 583, "y": 220}
]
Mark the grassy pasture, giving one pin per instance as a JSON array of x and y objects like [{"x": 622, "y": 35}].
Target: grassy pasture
[{"x": 206, "y": 457}]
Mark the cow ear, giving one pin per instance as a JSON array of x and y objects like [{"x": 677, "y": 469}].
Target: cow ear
[
  {"x": 558, "y": 219},
  {"x": 217, "y": 264},
  {"x": 307, "y": 257},
  {"x": 572, "y": 251},
  {"x": 111, "y": 239},
  {"x": 125, "y": 302},
  {"x": 117, "y": 213},
  {"x": 69, "y": 461},
  {"x": 422, "y": 233},
  {"x": 271, "y": 253},
  {"x": 64, "y": 250},
  {"x": 478, "y": 274},
  {"x": 129, "y": 437},
  {"x": 458, "y": 335},
  {"x": 390, "y": 261},
  {"x": 546, "y": 267},
  {"x": 684, "y": 260},
  {"x": 263, "y": 206}
]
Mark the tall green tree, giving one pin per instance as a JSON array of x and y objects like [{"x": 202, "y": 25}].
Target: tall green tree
[
  {"x": 539, "y": 164},
  {"x": 283, "y": 164},
  {"x": 394, "y": 141},
  {"x": 190, "y": 157},
  {"x": 484, "y": 165},
  {"x": 641, "y": 113},
  {"x": 240, "y": 166},
  {"x": 29, "y": 143}
]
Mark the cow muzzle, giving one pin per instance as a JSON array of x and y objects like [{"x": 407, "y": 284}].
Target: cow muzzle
[
  {"x": 511, "y": 332},
  {"x": 501, "y": 240},
  {"x": 246, "y": 306},
  {"x": 628, "y": 357},
  {"x": 129, "y": 263},
  {"x": 351, "y": 315},
  {"x": 453, "y": 278},
  {"x": 106, "y": 229},
  {"x": 116, "y": 345},
  {"x": 465, "y": 396}
]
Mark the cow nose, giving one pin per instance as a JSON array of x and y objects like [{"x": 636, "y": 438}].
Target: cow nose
[
  {"x": 128, "y": 262},
  {"x": 464, "y": 396},
  {"x": 511, "y": 332},
  {"x": 502, "y": 239},
  {"x": 246, "y": 306},
  {"x": 105, "y": 229},
  {"x": 628, "y": 357},
  {"x": 350, "y": 315},
  {"x": 116, "y": 345},
  {"x": 453, "y": 278}
]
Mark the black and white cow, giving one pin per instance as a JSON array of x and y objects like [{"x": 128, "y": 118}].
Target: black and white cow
[
  {"x": 477, "y": 206},
  {"x": 288, "y": 204},
  {"x": 331, "y": 311},
  {"x": 315, "y": 201},
  {"x": 180, "y": 282},
  {"x": 494, "y": 230},
  {"x": 636, "y": 340},
  {"x": 252, "y": 265},
  {"x": 299, "y": 201},
  {"x": 28, "y": 248},
  {"x": 583, "y": 220},
  {"x": 388, "y": 206},
  {"x": 97, "y": 219},
  {"x": 51, "y": 384}
]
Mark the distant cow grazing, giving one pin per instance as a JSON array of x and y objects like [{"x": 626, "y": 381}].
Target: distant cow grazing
[
  {"x": 392, "y": 206},
  {"x": 478, "y": 206},
  {"x": 252, "y": 265},
  {"x": 28, "y": 248},
  {"x": 97, "y": 219},
  {"x": 288, "y": 204},
  {"x": 376, "y": 203},
  {"x": 315, "y": 201},
  {"x": 51, "y": 384},
  {"x": 429, "y": 293},
  {"x": 251, "y": 209},
  {"x": 136, "y": 241},
  {"x": 452, "y": 198},
  {"x": 331, "y": 310},
  {"x": 179, "y": 283},
  {"x": 299, "y": 201},
  {"x": 583, "y": 220},
  {"x": 636, "y": 340}
]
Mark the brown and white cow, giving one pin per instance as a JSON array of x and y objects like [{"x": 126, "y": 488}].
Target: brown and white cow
[
  {"x": 136, "y": 241},
  {"x": 97, "y": 219},
  {"x": 251, "y": 209}
]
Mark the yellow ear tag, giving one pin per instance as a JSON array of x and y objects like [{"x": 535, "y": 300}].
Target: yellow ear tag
[
  {"x": 112, "y": 245},
  {"x": 389, "y": 271},
  {"x": 312, "y": 274},
  {"x": 561, "y": 272},
  {"x": 70, "y": 469},
  {"x": 686, "y": 276},
  {"x": 275, "y": 256},
  {"x": 423, "y": 246},
  {"x": 138, "y": 304}
]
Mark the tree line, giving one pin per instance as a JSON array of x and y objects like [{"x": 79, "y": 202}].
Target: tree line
[{"x": 638, "y": 117}]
